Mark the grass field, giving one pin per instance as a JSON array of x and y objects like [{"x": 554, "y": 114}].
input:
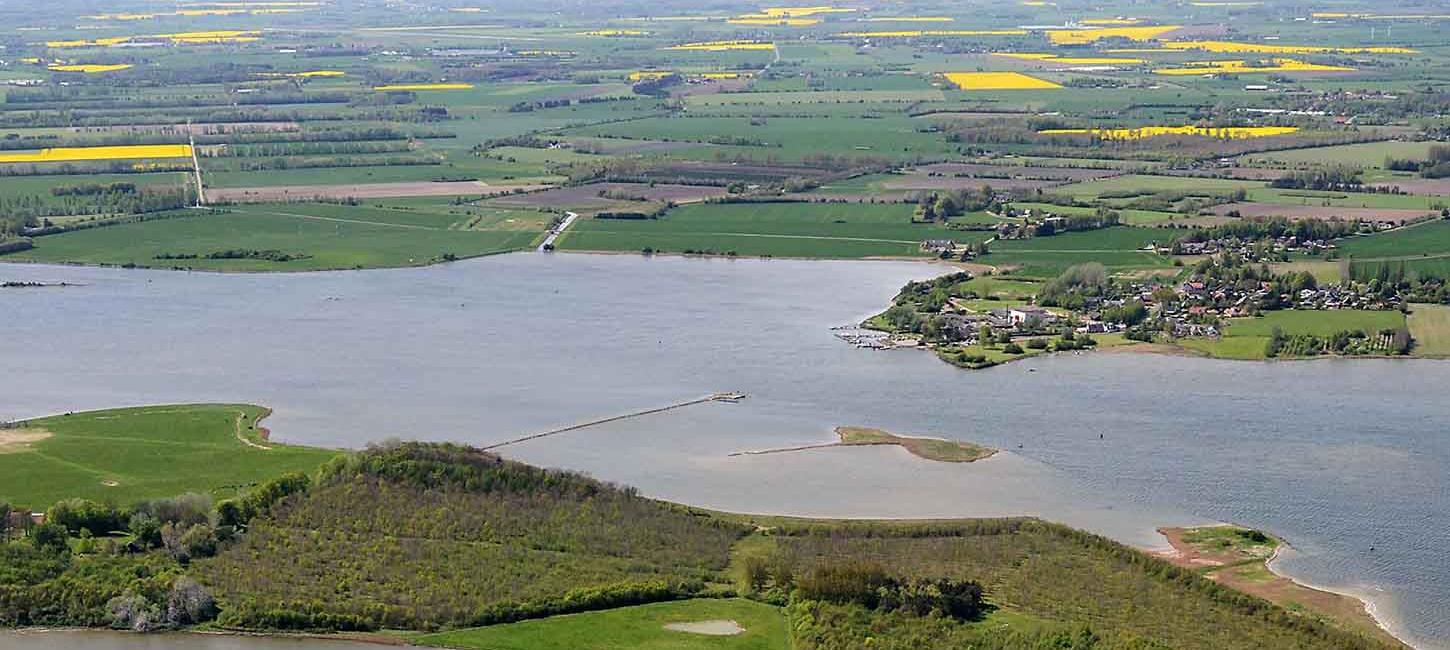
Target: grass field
[
  {"x": 126, "y": 455},
  {"x": 316, "y": 236},
  {"x": 1115, "y": 240},
  {"x": 819, "y": 230},
  {"x": 1149, "y": 184},
  {"x": 1038, "y": 264},
  {"x": 1368, "y": 154},
  {"x": 1428, "y": 238},
  {"x": 628, "y": 628},
  {"x": 1430, "y": 327},
  {"x": 1248, "y": 338}
]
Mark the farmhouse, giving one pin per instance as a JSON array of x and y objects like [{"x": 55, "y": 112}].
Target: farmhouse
[{"x": 1019, "y": 316}]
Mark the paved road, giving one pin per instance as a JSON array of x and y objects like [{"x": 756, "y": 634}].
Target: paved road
[{"x": 554, "y": 232}]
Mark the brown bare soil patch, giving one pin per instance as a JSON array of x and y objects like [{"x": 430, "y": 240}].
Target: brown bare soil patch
[
  {"x": 924, "y": 182},
  {"x": 360, "y": 191},
  {"x": 1435, "y": 186},
  {"x": 587, "y": 197},
  {"x": 14, "y": 441},
  {"x": 743, "y": 171},
  {"x": 711, "y": 87},
  {"x": 1319, "y": 212}
]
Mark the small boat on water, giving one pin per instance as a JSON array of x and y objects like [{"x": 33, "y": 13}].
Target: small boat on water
[{"x": 729, "y": 398}]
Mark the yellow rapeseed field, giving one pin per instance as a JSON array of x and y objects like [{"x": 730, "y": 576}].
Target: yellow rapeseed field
[
  {"x": 249, "y": 4},
  {"x": 90, "y": 68},
  {"x": 802, "y": 12},
  {"x": 1070, "y": 60},
  {"x": 1222, "y": 133},
  {"x": 998, "y": 81},
  {"x": 1085, "y": 36},
  {"x": 723, "y": 46},
  {"x": 723, "y": 75},
  {"x": 77, "y": 154},
  {"x": 908, "y": 19},
  {"x": 1264, "y": 48},
  {"x": 649, "y": 74},
  {"x": 437, "y": 86},
  {"x": 223, "y": 36},
  {"x": 773, "y": 20},
  {"x": 304, "y": 75},
  {"x": 1338, "y": 14},
  {"x": 935, "y": 32},
  {"x": 1241, "y": 66},
  {"x": 615, "y": 32}
]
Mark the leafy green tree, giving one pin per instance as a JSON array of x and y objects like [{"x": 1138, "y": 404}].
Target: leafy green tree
[{"x": 50, "y": 537}]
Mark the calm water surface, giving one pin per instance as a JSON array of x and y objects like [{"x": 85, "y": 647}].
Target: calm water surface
[
  {"x": 99, "y": 640},
  {"x": 1335, "y": 456}
]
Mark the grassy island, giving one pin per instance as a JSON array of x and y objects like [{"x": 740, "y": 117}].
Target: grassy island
[{"x": 938, "y": 449}]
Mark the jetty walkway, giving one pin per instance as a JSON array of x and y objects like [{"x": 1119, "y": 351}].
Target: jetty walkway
[{"x": 713, "y": 397}]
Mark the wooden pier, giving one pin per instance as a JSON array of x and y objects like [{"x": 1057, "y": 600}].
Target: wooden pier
[{"x": 728, "y": 397}]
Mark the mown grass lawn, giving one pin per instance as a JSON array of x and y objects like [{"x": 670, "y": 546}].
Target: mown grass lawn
[
  {"x": 127, "y": 455},
  {"x": 631, "y": 628},
  {"x": 818, "y": 230}
]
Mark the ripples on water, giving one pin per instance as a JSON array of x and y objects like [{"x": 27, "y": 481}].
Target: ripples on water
[{"x": 1336, "y": 456}]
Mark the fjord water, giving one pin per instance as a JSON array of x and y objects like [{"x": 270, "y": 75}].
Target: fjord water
[
  {"x": 1338, "y": 457},
  {"x": 102, "y": 640}
]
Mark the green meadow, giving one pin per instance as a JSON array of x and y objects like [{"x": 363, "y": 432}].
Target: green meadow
[
  {"x": 816, "y": 230},
  {"x": 126, "y": 455},
  {"x": 304, "y": 237}
]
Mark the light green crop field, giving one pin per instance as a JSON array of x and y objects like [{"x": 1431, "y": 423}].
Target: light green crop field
[
  {"x": 1428, "y": 238},
  {"x": 127, "y": 455},
  {"x": 1367, "y": 154},
  {"x": 641, "y": 627},
  {"x": 1317, "y": 323},
  {"x": 313, "y": 236},
  {"x": 1248, "y": 338},
  {"x": 1149, "y": 184},
  {"x": 1430, "y": 327},
  {"x": 789, "y": 138},
  {"x": 1115, "y": 239},
  {"x": 776, "y": 229}
]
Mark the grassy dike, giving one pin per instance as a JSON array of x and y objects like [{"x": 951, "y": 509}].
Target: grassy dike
[{"x": 449, "y": 545}]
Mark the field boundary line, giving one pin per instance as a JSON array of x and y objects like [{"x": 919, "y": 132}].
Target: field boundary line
[{"x": 340, "y": 220}]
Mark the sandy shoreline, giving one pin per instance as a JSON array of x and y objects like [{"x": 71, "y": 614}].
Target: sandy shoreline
[
  {"x": 1364, "y": 615},
  {"x": 1382, "y": 620}
]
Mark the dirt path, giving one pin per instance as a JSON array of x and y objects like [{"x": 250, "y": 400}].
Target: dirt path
[{"x": 262, "y": 432}]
